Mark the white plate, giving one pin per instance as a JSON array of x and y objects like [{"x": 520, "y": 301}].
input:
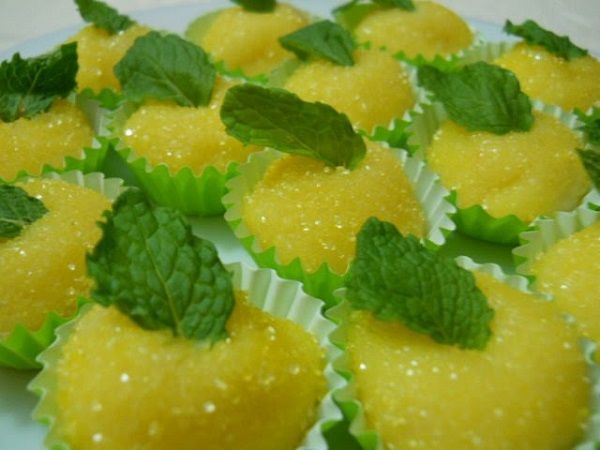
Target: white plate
[{"x": 17, "y": 430}]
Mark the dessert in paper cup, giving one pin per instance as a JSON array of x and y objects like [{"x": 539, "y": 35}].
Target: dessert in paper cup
[
  {"x": 299, "y": 215},
  {"x": 242, "y": 361},
  {"x": 419, "y": 30},
  {"x": 172, "y": 139},
  {"x": 43, "y": 267},
  {"x": 504, "y": 168},
  {"x": 472, "y": 382},
  {"x": 243, "y": 39},
  {"x": 44, "y": 127},
  {"x": 560, "y": 254}
]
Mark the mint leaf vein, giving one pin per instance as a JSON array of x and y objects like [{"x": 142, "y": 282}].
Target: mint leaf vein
[
  {"x": 150, "y": 265},
  {"x": 17, "y": 210},
  {"x": 397, "y": 278},
  {"x": 279, "y": 119}
]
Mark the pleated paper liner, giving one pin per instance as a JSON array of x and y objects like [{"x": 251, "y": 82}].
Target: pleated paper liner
[
  {"x": 475, "y": 221},
  {"x": 324, "y": 281},
  {"x": 20, "y": 347},
  {"x": 548, "y": 230},
  {"x": 353, "y": 409},
  {"x": 282, "y": 298}
]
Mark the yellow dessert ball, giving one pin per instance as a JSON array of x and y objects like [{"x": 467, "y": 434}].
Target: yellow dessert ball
[
  {"x": 98, "y": 52},
  {"x": 522, "y": 173},
  {"x": 46, "y": 138},
  {"x": 184, "y": 137},
  {"x": 372, "y": 92},
  {"x": 554, "y": 80},
  {"x": 429, "y": 30},
  {"x": 527, "y": 389},
  {"x": 570, "y": 271},
  {"x": 249, "y": 40},
  {"x": 257, "y": 390},
  {"x": 43, "y": 269},
  {"x": 309, "y": 210}
]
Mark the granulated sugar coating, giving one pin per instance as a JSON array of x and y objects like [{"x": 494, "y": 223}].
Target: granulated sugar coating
[
  {"x": 527, "y": 389},
  {"x": 522, "y": 173},
  {"x": 570, "y": 271},
  {"x": 372, "y": 92},
  {"x": 256, "y": 390},
  {"x": 28, "y": 144},
  {"x": 44, "y": 269},
  {"x": 309, "y": 210}
]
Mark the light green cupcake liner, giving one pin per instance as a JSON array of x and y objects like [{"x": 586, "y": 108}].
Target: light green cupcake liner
[
  {"x": 546, "y": 231},
  {"x": 475, "y": 221},
  {"x": 353, "y": 409},
  {"x": 282, "y": 298},
  {"x": 20, "y": 347},
  {"x": 323, "y": 282}
]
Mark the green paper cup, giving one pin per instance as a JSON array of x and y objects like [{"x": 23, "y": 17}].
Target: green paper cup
[
  {"x": 281, "y": 298},
  {"x": 194, "y": 192},
  {"x": 19, "y": 348},
  {"x": 353, "y": 408},
  {"x": 474, "y": 220},
  {"x": 324, "y": 281}
]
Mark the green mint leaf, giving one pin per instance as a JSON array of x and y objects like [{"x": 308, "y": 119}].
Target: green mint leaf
[
  {"x": 534, "y": 34},
  {"x": 279, "y": 119},
  {"x": 407, "y": 5},
  {"x": 396, "y": 137},
  {"x": 103, "y": 16},
  {"x": 256, "y": 5},
  {"x": 397, "y": 278},
  {"x": 30, "y": 86},
  {"x": 443, "y": 63},
  {"x": 150, "y": 265},
  {"x": 323, "y": 39},
  {"x": 591, "y": 161},
  {"x": 17, "y": 210},
  {"x": 166, "y": 67},
  {"x": 481, "y": 97},
  {"x": 591, "y": 124}
]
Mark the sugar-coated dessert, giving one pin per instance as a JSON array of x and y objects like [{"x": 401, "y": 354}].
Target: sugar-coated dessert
[
  {"x": 312, "y": 211},
  {"x": 569, "y": 271},
  {"x": 248, "y": 40},
  {"x": 27, "y": 144},
  {"x": 258, "y": 389},
  {"x": 43, "y": 269},
  {"x": 567, "y": 83},
  {"x": 181, "y": 136},
  {"x": 98, "y": 51},
  {"x": 430, "y": 30},
  {"x": 372, "y": 92},
  {"x": 522, "y": 173},
  {"x": 527, "y": 389}
]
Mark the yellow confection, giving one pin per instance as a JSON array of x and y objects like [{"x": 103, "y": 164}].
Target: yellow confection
[
  {"x": 257, "y": 390},
  {"x": 98, "y": 52},
  {"x": 249, "y": 40},
  {"x": 430, "y": 30},
  {"x": 372, "y": 92},
  {"x": 28, "y": 144},
  {"x": 522, "y": 173},
  {"x": 44, "y": 269},
  {"x": 180, "y": 136},
  {"x": 527, "y": 390},
  {"x": 309, "y": 210},
  {"x": 554, "y": 80},
  {"x": 570, "y": 271}
]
